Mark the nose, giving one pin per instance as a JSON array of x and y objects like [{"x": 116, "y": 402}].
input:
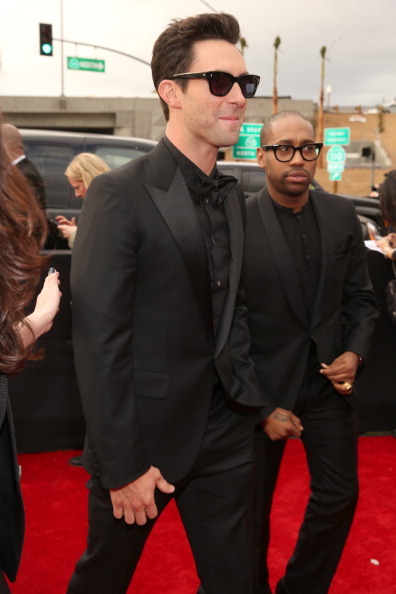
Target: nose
[
  {"x": 235, "y": 95},
  {"x": 297, "y": 158}
]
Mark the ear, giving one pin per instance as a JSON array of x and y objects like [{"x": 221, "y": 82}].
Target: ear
[
  {"x": 261, "y": 154},
  {"x": 170, "y": 92}
]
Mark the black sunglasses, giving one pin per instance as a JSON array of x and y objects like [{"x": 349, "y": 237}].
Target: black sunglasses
[
  {"x": 286, "y": 152},
  {"x": 221, "y": 83}
]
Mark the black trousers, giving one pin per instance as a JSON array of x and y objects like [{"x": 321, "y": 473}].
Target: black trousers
[
  {"x": 213, "y": 501},
  {"x": 330, "y": 442}
]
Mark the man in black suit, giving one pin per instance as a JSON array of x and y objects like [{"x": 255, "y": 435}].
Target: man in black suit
[
  {"x": 160, "y": 327},
  {"x": 14, "y": 143},
  {"x": 311, "y": 313}
]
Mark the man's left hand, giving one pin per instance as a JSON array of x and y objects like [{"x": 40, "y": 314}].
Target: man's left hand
[{"x": 342, "y": 371}]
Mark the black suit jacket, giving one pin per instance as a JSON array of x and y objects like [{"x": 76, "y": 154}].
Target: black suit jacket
[
  {"x": 33, "y": 176},
  {"x": 143, "y": 331},
  {"x": 344, "y": 311}
]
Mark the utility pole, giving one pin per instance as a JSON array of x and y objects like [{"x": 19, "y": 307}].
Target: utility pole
[{"x": 277, "y": 43}]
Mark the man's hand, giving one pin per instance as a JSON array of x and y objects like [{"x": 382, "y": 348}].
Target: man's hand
[
  {"x": 342, "y": 371},
  {"x": 282, "y": 424},
  {"x": 136, "y": 500}
]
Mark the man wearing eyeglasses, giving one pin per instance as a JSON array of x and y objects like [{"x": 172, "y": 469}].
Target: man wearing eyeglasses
[
  {"x": 311, "y": 313},
  {"x": 160, "y": 328}
]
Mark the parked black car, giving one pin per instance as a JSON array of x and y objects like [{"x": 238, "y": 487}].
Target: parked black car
[{"x": 52, "y": 151}]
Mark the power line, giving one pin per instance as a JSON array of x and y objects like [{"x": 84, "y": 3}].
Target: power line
[{"x": 208, "y": 5}]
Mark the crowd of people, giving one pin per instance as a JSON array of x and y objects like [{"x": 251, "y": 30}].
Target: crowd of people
[{"x": 207, "y": 330}]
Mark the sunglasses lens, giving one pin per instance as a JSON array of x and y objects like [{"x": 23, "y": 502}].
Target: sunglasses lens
[
  {"x": 220, "y": 83},
  {"x": 248, "y": 84}
]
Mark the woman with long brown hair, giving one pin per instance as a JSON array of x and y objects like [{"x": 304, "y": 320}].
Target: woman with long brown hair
[{"x": 22, "y": 232}]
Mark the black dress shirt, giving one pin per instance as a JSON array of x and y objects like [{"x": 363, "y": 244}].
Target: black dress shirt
[
  {"x": 215, "y": 230},
  {"x": 302, "y": 235}
]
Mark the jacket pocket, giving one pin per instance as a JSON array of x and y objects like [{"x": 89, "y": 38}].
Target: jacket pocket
[{"x": 151, "y": 385}]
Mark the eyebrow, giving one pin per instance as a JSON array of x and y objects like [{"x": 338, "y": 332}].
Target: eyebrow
[{"x": 288, "y": 141}]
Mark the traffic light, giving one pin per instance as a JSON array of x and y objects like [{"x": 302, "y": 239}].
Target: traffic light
[{"x": 46, "y": 47}]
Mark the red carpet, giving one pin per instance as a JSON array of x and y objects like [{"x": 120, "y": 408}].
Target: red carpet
[{"x": 55, "y": 501}]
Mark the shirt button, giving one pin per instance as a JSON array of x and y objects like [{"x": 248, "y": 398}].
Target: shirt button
[
  {"x": 206, "y": 201},
  {"x": 218, "y": 283},
  {"x": 212, "y": 239}
]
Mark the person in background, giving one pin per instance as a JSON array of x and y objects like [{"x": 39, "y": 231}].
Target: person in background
[
  {"x": 311, "y": 311},
  {"x": 14, "y": 144},
  {"x": 80, "y": 172},
  {"x": 160, "y": 333},
  {"x": 387, "y": 197},
  {"x": 22, "y": 232}
]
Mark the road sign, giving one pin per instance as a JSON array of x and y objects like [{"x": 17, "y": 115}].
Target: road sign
[
  {"x": 336, "y": 155},
  {"x": 248, "y": 141},
  {"x": 86, "y": 64},
  {"x": 337, "y": 136}
]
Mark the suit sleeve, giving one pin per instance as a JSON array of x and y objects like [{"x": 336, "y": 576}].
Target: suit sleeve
[
  {"x": 247, "y": 388},
  {"x": 103, "y": 284}
]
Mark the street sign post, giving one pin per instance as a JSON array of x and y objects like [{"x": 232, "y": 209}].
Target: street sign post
[
  {"x": 338, "y": 136},
  {"x": 248, "y": 141},
  {"x": 86, "y": 64}
]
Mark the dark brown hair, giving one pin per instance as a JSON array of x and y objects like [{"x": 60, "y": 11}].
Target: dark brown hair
[
  {"x": 387, "y": 197},
  {"x": 22, "y": 232},
  {"x": 173, "y": 51}
]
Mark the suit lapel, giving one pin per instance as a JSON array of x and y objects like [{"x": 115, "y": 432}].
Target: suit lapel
[
  {"x": 234, "y": 218},
  {"x": 282, "y": 255},
  {"x": 328, "y": 260},
  {"x": 172, "y": 198}
]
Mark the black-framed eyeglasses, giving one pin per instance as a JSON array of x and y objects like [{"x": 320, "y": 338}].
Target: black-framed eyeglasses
[
  {"x": 286, "y": 152},
  {"x": 221, "y": 83}
]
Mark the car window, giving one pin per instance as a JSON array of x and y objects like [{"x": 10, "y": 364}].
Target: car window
[
  {"x": 252, "y": 180},
  {"x": 51, "y": 159},
  {"x": 116, "y": 156}
]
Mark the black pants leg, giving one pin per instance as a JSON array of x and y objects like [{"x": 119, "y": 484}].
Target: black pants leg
[
  {"x": 330, "y": 441},
  {"x": 214, "y": 512},
  {"x": 268, "y": 459},
  {"x": 113, "y": 547}
]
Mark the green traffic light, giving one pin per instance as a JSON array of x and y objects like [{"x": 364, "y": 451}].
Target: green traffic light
[{"x": 46, "y": 48}]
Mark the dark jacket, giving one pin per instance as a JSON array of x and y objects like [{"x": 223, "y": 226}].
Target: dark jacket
[
  {"x": 145, "y": 351},
  {"x": 344, "y": 310}
]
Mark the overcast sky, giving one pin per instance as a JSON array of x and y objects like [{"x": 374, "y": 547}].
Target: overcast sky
[{"x": 360, "y": 36}]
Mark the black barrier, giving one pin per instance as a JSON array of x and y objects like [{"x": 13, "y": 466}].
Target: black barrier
[
  {"x": 376, "y": 386},
  {"x": 44, "y": 397}
]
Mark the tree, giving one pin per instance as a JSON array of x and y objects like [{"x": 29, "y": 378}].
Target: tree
[
  {"x": 277, "y": 43},
  {"x": 243, "y": 44},
  {"x": 321, "y": 102}
]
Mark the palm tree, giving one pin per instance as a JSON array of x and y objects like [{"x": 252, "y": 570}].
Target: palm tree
[
  {"x": 277, "y": 43},
  {"x": 243, "y": 44},
  {"x": 321, "y": 102}
]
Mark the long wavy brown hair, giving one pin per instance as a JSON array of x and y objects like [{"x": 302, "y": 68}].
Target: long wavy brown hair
[{"x": 23, "y": 229}]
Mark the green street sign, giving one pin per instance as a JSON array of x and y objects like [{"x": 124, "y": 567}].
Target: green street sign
[
  {"x": 248, "y": 141},
  {"x": 86, "y": 64},
  {"x": 336, "y": 157},
  {"x": 337, "y": 136},
  {"x": 335, "y": 175}
]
